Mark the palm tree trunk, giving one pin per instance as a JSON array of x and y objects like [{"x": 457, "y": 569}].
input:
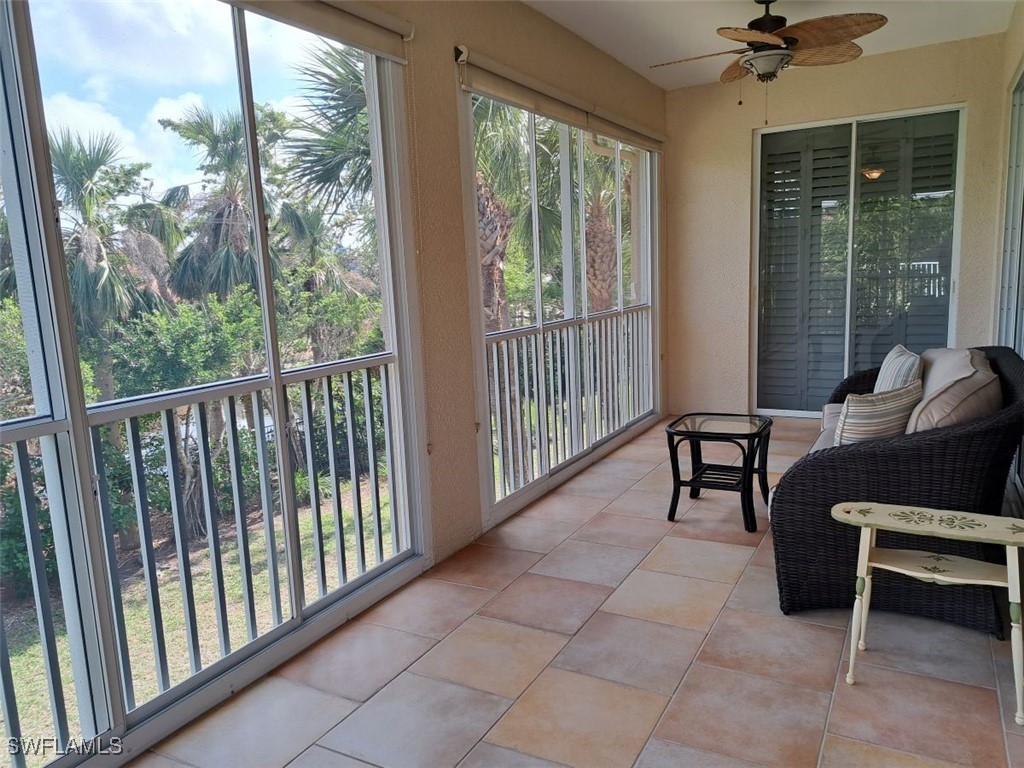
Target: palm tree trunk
[
  {"x": 494, "y": 224},
  {"x": 602, "y": 259}
]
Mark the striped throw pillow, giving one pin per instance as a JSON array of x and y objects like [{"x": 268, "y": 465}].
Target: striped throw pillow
[
  {"x": 872, "y": 417},
  {"x": 899, "y": 369}
]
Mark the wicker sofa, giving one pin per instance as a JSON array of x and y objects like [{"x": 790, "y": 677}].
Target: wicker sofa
[{"x": 962, "y": 467}]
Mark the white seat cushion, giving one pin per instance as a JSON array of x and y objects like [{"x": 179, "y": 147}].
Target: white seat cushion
[{"x": 830, "y": 416}]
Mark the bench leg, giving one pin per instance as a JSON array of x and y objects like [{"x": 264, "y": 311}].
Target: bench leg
[
  {"x": 862, "y": 642},
  {"x": 1013, "y": 584},
  {"x": 859, "y": 617}
]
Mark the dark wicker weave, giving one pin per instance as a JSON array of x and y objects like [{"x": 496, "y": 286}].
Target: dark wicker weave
[{"x": 962, "y": 467}]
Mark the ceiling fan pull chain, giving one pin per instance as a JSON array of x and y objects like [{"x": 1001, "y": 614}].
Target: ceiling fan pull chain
[
  {"x": 740, "y": 102},
  {"x": 766, "y": 103}
]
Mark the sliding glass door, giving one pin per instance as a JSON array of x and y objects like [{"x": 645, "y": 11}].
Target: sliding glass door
[{"x": 855, "y": 250}]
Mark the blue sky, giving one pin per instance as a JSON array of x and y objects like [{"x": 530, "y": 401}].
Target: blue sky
[{"x": 119, "y": 66}]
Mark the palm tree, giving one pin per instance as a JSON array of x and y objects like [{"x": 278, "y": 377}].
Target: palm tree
[
  {"x": 600, "y": 233},
  {"x": 117, "y": 269},
  {"x": 330, "y": 150},
  {"x": 221, "y": 252}
]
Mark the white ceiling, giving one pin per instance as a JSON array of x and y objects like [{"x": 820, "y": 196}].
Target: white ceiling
[{"x": 643, "y": 32}]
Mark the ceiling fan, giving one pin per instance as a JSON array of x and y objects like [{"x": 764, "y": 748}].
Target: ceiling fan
[{"x": 770, "y": 45}]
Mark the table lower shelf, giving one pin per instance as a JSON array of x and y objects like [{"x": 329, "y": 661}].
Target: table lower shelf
[
  {"x": 717, "y": 477},
  {"x": 938, "y": 569}
]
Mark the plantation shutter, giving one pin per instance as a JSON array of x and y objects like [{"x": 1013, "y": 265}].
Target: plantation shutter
[
  {"x": 803, "y": 263},
  {"x": 903, "y": 236}
]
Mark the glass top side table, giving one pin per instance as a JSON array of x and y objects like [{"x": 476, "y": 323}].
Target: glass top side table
[{"x": 750, "y": 433}]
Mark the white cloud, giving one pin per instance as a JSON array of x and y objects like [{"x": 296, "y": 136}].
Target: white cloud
[
  {"x": 171, "y": 161},
  {"x": 158, "y": 42},
  {"x": 87, "y": 117}
]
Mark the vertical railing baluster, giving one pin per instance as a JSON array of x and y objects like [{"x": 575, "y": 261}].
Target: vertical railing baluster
[
  {"x": 385, "y": 392},
  {"x": 371, "y": 450},
  {"x": 41, "y": 591},
  {"x": 103, "y": 491},
  {"x": 542, "y": 407},
  {"x": 314, "y": 488},
  {"x": 8, "y": 698},
  {"x": 212, "y": 517},
  {"x": 267, "y": 499},
  {"x": 156, "y": 619},
  {"x": 526, "y": 413},
  {"x": 554, "y": 431},
  {"x": 497, "y": 424},
  {"x": 241, "y": 520},
  {"x": 515, "y": 447},
  {"x": 357, "y": 494},
  {"x": 331, "y": 422},
  {"x": 181, "y": 537}
]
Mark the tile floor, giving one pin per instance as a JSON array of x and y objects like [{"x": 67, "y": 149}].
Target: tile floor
[{"x": 588, "y": 631}]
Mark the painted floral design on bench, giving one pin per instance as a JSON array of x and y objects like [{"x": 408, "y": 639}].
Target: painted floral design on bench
[{"x": 913, "y": 516}]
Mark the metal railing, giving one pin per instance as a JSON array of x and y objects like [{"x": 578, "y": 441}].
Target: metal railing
[
  {"x": 555, "y": 391},
  {"x": 194, "y": 519}
]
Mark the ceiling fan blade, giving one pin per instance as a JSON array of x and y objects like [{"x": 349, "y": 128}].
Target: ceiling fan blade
[
  {"x": 831, "y": 30},
  {"x": 829, "y": 54},
  {"x": 734, "y": 72},
  {"x": 695, "y": 58},
  {"x": 744, "y": 35}
]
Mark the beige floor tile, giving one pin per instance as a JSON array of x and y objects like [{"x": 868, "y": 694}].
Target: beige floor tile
[
  {"x": 710, "y": 560},
  {"x": 659, "y": 480},
  {"x": 319, "y": 757},
  {"x": 921, "y": 715},
  {"x": 718, "y": 518},
  {"x": 529, "y": 533},
  {"x": 847, "y": 753},
  {"x": 356, "y": 661},
  {"x": 492, "y": 656},
  {"x": 1007, "y": 694},
  {"x": 643, "y": 654},
  {"x": 765, "y": 555},
  {"x": 778, "y": 648},
  {"x": 417, "y": 722},
  {"x": 156, "y": 760},
  {"x": 580, "y": 721},
  {"x": 565, "y": 508},
  {"x": 666, "y": 754},
  {"x": 249, "y": 717},
  {"x": 928, "y": 647},
  {"x": 758, "y": 590},
  {"x": 642, "y": 451},
  {"x": 596, "y": 484},
  {"x": 676, "y": 600},
  {"x": 624, "y": 531},
  {"x": 1015, "y": 750},
  {"x": 649, "y": 504},
  {"x": 428, "y": 607},
  {"x": 485, "y": 567},
  {"x": 590, "y": 562},
  {"x": 634, "y": 469},
  {"x": 747, "y": 717},
  {"x": 544, "y": 602},
  {"x": 486, "y": 755}
]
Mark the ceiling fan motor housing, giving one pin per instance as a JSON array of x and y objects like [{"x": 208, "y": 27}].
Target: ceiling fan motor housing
[{"x": 769, "y": 22}]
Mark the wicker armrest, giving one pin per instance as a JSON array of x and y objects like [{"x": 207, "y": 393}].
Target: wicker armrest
[{"x": 860, "y": 383}]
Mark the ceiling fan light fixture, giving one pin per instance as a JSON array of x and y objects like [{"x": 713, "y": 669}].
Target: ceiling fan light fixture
[
  {"x": 766, "y": 65},
  {"x": 872, "y": 172}
]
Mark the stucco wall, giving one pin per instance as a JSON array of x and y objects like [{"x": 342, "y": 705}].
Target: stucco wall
[
  {"x": 708, "y": 263},
  {"x": 521, "y": 38},
  {"x": 1014, "y": 56}
]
